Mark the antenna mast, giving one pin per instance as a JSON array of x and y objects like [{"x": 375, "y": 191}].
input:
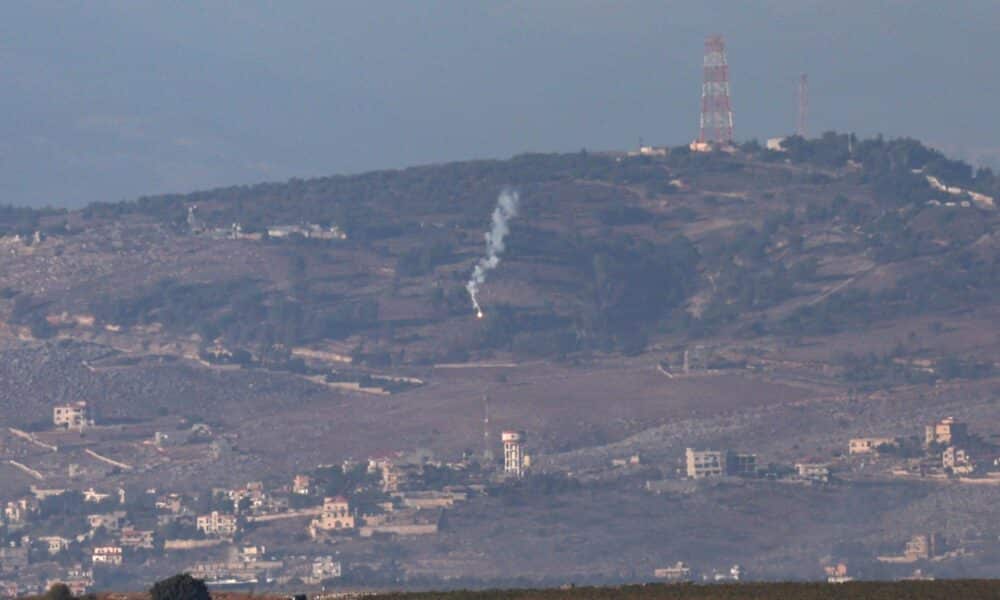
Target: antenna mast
[
  {"x": 487, "y": 449},
  {"x": 716, "y": 108},
  {"x": 800, "y": 125}
]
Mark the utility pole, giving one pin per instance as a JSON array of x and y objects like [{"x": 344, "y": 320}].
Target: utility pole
[
  {"x": 800, "y": 125},
  {"x": 487, "y": 449}
]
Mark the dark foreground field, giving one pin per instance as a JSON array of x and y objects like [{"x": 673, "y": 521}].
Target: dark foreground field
[{"x": 950, "y": 590}]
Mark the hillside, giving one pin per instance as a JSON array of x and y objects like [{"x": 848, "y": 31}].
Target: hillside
[
  {"x": 753, "y": 255},
  {"x": 779, "y": 302},
  {"x": 610, "y": 254}
]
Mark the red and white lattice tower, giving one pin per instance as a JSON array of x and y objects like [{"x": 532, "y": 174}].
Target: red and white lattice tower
[
  {"x": 716, "y": 109},
  {"x": 800, "y": 125}
]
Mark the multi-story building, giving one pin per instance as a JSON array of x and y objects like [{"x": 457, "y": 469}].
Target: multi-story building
[
  {"x": 335, "y": 516},
  {"x": 54, "y": 544},
  {"x": 20, "y": 510},
  {"x": 385, "y": 466},
  {"x": 741, "y": 464},
  {"x": 252, "y": 492},
  {"x": 302, "y": 485},
  {"x": 868, "y": 445},
  {"x": 218, "y": 524},
  {"x": 957, "y": 461},
  {"x": 919, "y": 547},
  {"x": 947, "y": 431},
  {"x": 107, "y": 555},
  {"x": 76, "y": 415},
  {"x": 513, "y": 453},
  {"x": 704, "y": 463}
]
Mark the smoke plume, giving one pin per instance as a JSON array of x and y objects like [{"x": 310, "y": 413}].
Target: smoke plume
[{"x": 506, "y": 209}]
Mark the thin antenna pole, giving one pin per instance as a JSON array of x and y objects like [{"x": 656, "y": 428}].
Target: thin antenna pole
[
  {"x": 487, "y": 449},
  {"x": 800, "y": 125}
]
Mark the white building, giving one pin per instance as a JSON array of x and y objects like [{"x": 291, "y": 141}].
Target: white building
[
  {"x": 957, "y": 460},
  {"x": 776, "y": 144},
  {"x": 323, "y": 568},
  {"x": 110, "y": 521},
  {"x": 513, "y": 453},
  {"x": 677, "y": 572},
  {"x": 704, "y": 463},
  {"x": 107, "y": 555},
  {"x": 18, "y": 511},
  {"x": 868, "y": 445},
  {"x": 54, "y": 543},
  {"x": 218, "y": 524},
  {"x": 946, "y": 431},
  {"x": 76, "y": 415},
  {"x": 93, "y": 496},
  {"x": 813, "y": 471},
  {"x": 302, "y": 485},
  {"x": 136, "y": 538},
  {"x": 336, "y": 516}
]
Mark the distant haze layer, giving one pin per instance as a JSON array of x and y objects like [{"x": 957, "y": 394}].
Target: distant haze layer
[{"x": 108, "y": 101}]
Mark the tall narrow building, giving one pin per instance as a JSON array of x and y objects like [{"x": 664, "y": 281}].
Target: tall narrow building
[{"x": 513, "y": 453}]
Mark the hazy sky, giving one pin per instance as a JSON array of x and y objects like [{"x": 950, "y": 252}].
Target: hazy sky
[{"x": 112, "y": 100}]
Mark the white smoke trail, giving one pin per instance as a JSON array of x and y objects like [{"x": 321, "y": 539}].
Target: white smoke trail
[{"x": 506, "y": 209}]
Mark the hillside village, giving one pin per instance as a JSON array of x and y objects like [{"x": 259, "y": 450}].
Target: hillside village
[{"x": 91, "y": 538}]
